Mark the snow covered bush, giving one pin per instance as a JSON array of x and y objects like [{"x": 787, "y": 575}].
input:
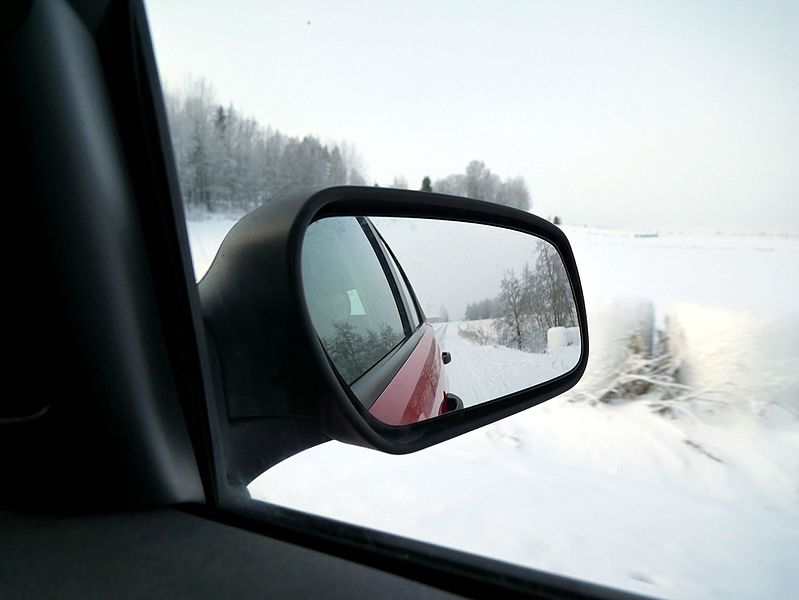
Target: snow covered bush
[
  {"x": 631, "y": 360},
  {"x": 643, "y": 374},
  {"x": 706, "y": 362}
]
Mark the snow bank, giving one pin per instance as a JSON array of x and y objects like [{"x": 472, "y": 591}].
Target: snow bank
[
  {"x": 613, "y": 325},
  {"x": 613, "y": 494},
  {"x": 617, "y": 496},
  {"x": 740, "y": 358},
  {"x": 480, "y": 331}
]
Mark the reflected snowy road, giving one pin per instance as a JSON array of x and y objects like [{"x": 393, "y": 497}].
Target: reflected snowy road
[{"x": 482, "y": 372}]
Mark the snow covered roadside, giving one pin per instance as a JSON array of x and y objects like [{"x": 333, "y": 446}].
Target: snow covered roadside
[
  {"x": 691, "y": 507},
  {"x": 702, "y": 506},
  {"x": 616, "y": 497},
  {"x": 686, "y": 507}
]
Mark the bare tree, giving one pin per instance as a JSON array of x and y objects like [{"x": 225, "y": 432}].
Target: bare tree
[
  {"x": 481, "y": 183},
  {"x": 527, "y": 306},
  {"x": 510, "y": 323},
  {"x": 558, "y": 299}
]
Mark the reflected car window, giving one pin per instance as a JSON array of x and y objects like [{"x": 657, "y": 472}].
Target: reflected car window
[
  {"x": 349, "y": 297},
  {"x": 407, "y": 298}
]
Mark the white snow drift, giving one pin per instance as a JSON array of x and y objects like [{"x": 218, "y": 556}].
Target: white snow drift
[{"x": 702, "y": 505}]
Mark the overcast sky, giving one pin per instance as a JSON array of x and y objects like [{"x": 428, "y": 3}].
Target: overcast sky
[{"x": 646, "y": 115}]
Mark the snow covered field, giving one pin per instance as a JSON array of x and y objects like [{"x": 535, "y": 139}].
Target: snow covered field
[{"x": 702, "y": 505}]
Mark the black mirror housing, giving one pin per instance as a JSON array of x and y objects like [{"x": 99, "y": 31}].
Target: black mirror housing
[{"x": 272, "y": 367}]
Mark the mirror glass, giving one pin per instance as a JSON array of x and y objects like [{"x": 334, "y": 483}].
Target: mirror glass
[{"x": 421, "y": 317}]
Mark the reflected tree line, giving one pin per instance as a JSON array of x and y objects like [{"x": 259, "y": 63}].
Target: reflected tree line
[
  {"x": 529, "y": 303},
  {"x": 354, "y": 351}
]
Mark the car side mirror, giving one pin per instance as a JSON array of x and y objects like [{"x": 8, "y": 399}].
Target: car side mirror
[
  {"x": 344, "y": 313},
  {"x": 392, "y": 300}
]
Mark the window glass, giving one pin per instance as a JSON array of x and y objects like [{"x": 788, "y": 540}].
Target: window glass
[
  {"x": 349, "y": 297},
  {"x": 662, "y": 139}
]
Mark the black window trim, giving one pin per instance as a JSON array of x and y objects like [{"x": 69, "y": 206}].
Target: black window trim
[
  {"x": 398, "y": 272},
  {"x": 417, "y": 305},
  {"x": 367, "y": 228}
]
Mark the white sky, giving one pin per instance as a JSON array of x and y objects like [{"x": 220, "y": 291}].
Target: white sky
[{"x": 648, "y": 115}]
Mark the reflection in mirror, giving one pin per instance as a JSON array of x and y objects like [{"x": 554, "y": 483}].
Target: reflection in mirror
[{"x": 421, "y": 317}]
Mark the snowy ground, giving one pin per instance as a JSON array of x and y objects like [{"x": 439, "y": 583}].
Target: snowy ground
[{"x": 705, "y": 505}]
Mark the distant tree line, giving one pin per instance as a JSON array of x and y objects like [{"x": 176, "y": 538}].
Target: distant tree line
[
  {"x": 484, "y": 309},
  {"x": 480, "y": 183},
  {"x": 530, "y": 303},
  {"x": 228, "y": 161}
]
